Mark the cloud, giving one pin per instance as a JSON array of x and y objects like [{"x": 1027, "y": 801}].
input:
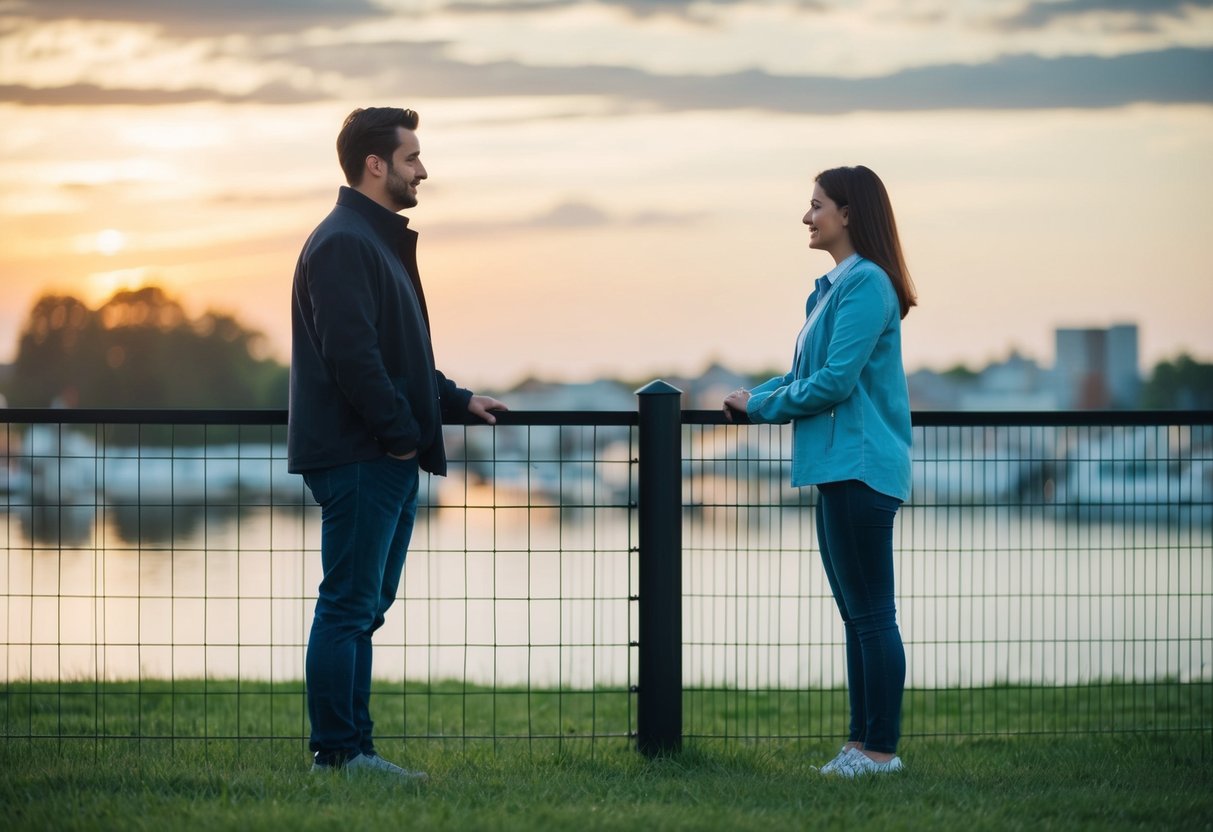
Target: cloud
[
  {"x": 407, "y": 71},
  {"x": 507, "y": 7},
  {"x": 91, "y": 95},
  {"x": 571, "y": 215},
  {"x": 425, "y": 70},
  {"x": 576, "y": 214},
  {"x": 566, "y": 215},
  {"x": 1041, "y": 13},
  {"x": 196, "y": 17},
  {"x": 695, "y": 11},
  {"x": 1030, "y": 82},
  {"x": 75, "y": 95},
  {"x": 288, "y": 195}
]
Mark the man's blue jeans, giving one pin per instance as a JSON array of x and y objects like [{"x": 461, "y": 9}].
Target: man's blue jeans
[
  {"x": 367, "y": 513},
  {"x": 855, "y": 534}
]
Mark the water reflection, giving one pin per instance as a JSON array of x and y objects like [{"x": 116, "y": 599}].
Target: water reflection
[
  {"x": 53, "y": 526},
  {"x": 515, "y": 595},
  {"x": 1042, "y": 555}
]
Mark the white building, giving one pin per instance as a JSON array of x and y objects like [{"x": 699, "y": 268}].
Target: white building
[
  {"x": 1015, "y": 384},
  {"x": 1097, "y": 368}
]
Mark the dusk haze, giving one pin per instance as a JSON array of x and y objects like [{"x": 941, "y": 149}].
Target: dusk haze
[
  {"x": 589, "y": 415},
  {"x": 616, "y": 186}
]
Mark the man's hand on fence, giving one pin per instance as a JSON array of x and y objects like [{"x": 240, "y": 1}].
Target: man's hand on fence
[{"x": 483, "y": 406}]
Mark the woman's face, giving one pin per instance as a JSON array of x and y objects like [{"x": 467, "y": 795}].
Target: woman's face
[{"x": 826, "y": 221}]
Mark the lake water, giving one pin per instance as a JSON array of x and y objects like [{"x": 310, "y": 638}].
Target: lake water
[{"x": 500, "y": 593}]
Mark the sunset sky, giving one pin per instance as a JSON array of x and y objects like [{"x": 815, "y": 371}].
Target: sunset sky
[{"x": 616, "y": 186}]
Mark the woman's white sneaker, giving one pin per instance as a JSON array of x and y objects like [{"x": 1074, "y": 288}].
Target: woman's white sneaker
[
  {"x": 839, "y": 760},
  {"x": 371, "y": 764},
  {"x": 860, "y": 764}
]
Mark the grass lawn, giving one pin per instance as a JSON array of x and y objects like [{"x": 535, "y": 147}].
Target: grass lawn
[{"x": 71, "y": 761}]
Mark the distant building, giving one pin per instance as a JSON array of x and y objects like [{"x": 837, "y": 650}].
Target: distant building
[
  {"x": 603, "y": 394},
  {"x": 1015, "y": 384},
  {"x": 707, "y": 391},
  {"x": 1124, "y": 377},
  {"x": 930, "y": 390},
  {"x": 1097, "y": 368}
]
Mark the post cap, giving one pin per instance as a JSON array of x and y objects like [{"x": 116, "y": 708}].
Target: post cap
[{"x": 658, "y": 388}]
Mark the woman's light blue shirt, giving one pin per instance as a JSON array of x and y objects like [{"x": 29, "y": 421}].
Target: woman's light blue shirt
[{"x": 846, "y": 395}]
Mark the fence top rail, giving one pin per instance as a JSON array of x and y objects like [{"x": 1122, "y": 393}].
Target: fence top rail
[
  {"x": 230, "y": 416},
  {"x": 1060, "y": 418},
  {"x": 596, "y": 418},
  {"x": 1016, "y": 418}
]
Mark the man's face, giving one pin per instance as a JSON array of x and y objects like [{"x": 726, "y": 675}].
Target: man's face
[{"x": 405, "y": 171}]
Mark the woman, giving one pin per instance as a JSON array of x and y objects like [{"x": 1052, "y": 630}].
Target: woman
[{"x": 847, "y": 398}]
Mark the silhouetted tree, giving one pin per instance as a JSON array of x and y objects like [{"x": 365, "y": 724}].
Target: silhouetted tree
[
  {"x": 141, "y": 349},
  {"x": 1183, "y": 384},
  {"x": 54, "y": 351}
]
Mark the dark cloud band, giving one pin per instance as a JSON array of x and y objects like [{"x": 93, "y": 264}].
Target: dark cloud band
[
  {"x": 91, "y": 95},
  {"x": 1037, "y": 14},
  {"x": 185, "y": 18},
  {"x": 424, "y": 70},
  {"x": 1015, "y": 82}
]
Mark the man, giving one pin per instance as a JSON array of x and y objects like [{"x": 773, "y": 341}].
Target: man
[{"x": 366, "y": 412}]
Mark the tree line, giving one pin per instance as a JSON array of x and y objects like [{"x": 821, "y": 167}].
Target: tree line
[
  {"x": 140, "y": 348},
  {"x": 1182, "y": 384}
]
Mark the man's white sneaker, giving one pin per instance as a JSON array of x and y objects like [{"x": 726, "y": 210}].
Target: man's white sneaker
[
  {"x": 860, "y": 764},
  {"x": 371, "y": 764},
  {"x": 839, "y": 760}
]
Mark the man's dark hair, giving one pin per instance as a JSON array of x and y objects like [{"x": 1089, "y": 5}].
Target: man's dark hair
[{"x": 371, "y": 132}]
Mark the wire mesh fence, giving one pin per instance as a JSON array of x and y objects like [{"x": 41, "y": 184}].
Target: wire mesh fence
[
  {"x": 1055, "y": 575},
  {"x": 159, "y": 583}
]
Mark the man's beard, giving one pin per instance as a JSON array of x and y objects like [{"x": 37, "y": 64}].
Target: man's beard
[{"x": 398, "y": 190}]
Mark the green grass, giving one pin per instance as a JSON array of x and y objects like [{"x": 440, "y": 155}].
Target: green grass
[
  {"x": 196, "y": 709},
  {"x": 1105, "y": 756}
]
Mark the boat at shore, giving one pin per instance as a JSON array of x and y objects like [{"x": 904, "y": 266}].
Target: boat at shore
[{"x": 1135, "y": 475}]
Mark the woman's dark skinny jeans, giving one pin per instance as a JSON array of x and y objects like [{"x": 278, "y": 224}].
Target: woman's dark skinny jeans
[{"x": 855, "y": 534}]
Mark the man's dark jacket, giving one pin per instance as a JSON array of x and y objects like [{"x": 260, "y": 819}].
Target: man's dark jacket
[{"x": 363, "y": 381}]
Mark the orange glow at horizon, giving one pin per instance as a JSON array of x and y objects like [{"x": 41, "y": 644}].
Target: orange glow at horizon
[
  {"x": 568, "y": 232},
  {"x": 99, "y": 287}
]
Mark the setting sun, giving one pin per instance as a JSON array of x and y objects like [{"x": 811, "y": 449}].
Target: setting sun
[
  {"x": 110, "y": 241},
  {"x": 631, "y": 175}
]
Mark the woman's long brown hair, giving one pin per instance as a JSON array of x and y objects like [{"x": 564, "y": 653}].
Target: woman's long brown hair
[{"x": 871, "y": 225}]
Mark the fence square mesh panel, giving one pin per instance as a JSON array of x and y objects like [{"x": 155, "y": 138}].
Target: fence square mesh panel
[
  {"x": 157, "y": 582},
  {"x": 1050, "y": 579}
]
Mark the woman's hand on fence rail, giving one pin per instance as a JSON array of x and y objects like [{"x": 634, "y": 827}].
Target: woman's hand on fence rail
[{"x": 736, "y": 402}]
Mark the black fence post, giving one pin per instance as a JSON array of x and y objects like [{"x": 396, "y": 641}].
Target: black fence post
[{"x": 659, "y": 695}]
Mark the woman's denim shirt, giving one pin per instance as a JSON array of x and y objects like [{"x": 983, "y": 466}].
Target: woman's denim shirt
[{"x": 847, "y": 396}]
